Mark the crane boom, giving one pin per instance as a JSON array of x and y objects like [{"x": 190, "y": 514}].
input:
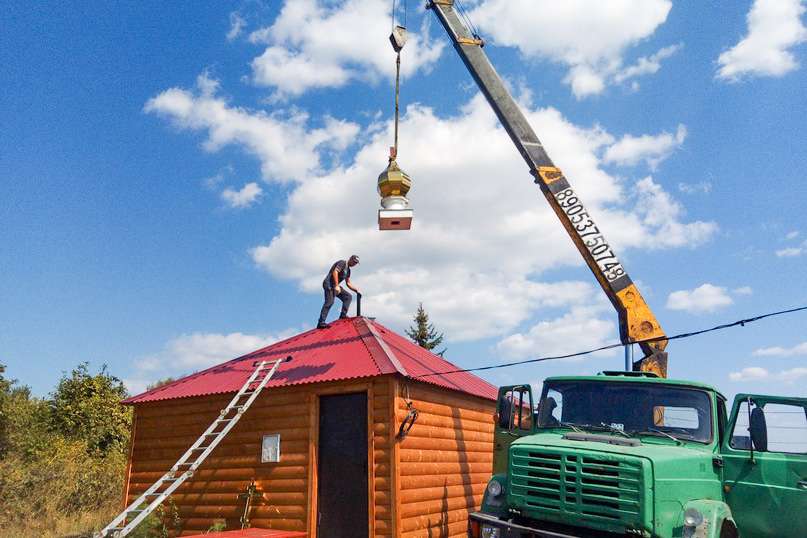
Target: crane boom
[{"x": 636, "y": 321}]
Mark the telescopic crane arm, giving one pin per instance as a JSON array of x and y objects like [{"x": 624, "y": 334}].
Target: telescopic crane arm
[{"x": 636, "y": 320}]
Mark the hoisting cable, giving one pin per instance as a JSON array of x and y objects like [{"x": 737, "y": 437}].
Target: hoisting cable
[
  {"x": 398, "y": 39},
  {"x": 680, "y": 336},
  {"x": 463, "y": 13}
]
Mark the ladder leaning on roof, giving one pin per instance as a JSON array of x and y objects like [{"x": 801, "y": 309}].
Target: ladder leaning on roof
[{"x": 185, "y": 466}]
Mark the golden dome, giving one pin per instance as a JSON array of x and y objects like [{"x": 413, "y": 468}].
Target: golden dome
[{"x": 393, "y": 181}]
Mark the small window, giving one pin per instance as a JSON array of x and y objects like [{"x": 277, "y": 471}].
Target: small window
[
  {"x": 515, "y": 410},
  {"x": 785, "y": 425},
  {"x": 550, "y": 410},
  {"x": 787, "y": 428},
  {"x": 677, "y": 417},
  {"x": 270, "y": 448}
]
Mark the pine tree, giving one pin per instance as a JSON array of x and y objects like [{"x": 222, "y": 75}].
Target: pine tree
[{"x": 422, "y": 332}]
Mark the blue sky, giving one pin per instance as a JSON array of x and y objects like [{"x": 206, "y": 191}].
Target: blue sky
[{"x": 175, "y": 180}]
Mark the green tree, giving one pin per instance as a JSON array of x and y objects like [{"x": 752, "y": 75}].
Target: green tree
[
  {"x": 87, "y": 407},
  {"x": 160, "y": 383},
  {"x": 423, "y": 333}
]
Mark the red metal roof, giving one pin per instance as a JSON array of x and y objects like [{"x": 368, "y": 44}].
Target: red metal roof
[{"x": 349, "y": 349}]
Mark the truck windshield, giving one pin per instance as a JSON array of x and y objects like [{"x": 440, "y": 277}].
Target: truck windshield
[{"x": 632, "y": 408}]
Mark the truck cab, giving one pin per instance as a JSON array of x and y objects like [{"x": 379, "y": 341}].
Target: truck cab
[{"x": 631, "y": 454}]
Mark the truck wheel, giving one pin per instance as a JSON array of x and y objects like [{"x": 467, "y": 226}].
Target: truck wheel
[{"x": 728, "y": 530}]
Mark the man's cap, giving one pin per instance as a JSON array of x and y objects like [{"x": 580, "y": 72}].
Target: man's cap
[{"x": 354, "y": 258}]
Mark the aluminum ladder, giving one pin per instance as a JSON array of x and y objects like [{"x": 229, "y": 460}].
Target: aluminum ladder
[{"x": 185, "y": 466}]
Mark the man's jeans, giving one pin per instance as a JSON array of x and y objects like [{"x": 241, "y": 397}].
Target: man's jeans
[{"x": 344, "y": 296}]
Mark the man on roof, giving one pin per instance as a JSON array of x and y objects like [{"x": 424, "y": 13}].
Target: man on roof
[{"x": 340, "y": 272}]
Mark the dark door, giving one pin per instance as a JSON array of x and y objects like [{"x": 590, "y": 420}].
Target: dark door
[{"x": 342, "y": 469}]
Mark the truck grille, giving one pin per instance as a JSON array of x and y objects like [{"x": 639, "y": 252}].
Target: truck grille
[{"x": 598, "y": 490}]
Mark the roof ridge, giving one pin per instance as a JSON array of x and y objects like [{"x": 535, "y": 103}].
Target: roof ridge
[{"x": 381, "y": 353}]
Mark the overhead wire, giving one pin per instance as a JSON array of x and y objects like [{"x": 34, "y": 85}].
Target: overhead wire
[{"x": 680, "y": 336}]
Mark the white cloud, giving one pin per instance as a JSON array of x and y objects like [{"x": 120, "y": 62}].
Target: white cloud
[
  {"x": 589, "y": 36},
  {"x": 702, "y": 187},
  {"x": 631, "y": 150},
  {"x": 774, "y": 27},
  {"x": 752, "y": 373},
  {"x": 647, "y": 65},
  {"x": 790, "y": 252},
  {"x": 792, "y": 235},
  {"x": 659, "y": 211},
  {"x": 478, "y": 246},
  {"x": 580, "y": 328},
  {"x": 777, "y": 351},
  {"x": 237, "y": 25},
  {"x": 705, "y": 298},
  {"x": 319, "y": 44},
  {"x": 743, "y": 290},
  {"x": 756, "y": 373},
  {"x": 287, "y": 148},
  {"x": 188, "y": 353},
  {"x": 239, "y": 199}
]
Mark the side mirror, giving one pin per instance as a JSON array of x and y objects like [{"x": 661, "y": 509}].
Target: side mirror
[{"x": 758, "y": 429}]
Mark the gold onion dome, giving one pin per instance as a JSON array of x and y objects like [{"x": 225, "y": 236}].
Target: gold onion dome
[{"x": 393, "y": 181}]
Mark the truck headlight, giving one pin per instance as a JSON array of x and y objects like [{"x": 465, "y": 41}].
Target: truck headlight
[
  {"x": 494, "y": 489},
  {"x": 490, "y": 532},
  {"x": 692, "y": 517}
]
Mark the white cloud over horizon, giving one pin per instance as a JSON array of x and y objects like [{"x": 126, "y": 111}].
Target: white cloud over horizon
[
  {"x": 326, "y": 44},
  {"x": 590, "y": 37},
  {"x": 193, "y": 352},
  {"x": 797, "y": 350},
  {"x": 242, "y": 198},
  {"x": 757, "y": 373},
  {"x": 631, "y": 150},
  {"x": 774, "y": 27},
  {"x": 287, "y": 147},
  {"x": 582, "y": 327},
  {"x": 706, "y": 298}
]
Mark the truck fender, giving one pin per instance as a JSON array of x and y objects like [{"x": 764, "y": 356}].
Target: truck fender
[{"x": 715, "y": 514}]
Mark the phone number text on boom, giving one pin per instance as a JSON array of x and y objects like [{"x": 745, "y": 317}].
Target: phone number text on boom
[{"x": 590, "y": 234}]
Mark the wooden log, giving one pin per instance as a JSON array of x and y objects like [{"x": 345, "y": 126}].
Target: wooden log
[
  {"x": 457, "y": 529},
  {"x": 452, "y": 413},
  {"x": 450, "y": 423},
  {"x": 446, "y": 468},
  {"x": 451, "y": 399},
  {"x": 434, "y": 515},
  {"x": 443, "y": 456},
  {"x": 245, "y": 473},
  {"x": 456, "y": 445},
  {"x": 425, "y": 495},
  {"x": 436, "y": 481},
  {"x": 180, "y": 438}
]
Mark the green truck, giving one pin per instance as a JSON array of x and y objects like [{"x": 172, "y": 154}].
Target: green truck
[{"x": 631, "y": 454}]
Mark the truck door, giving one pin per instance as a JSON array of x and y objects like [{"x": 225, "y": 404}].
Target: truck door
[
  {"x": 765, "y": 465},
  {"x": 514, "y": 419}
]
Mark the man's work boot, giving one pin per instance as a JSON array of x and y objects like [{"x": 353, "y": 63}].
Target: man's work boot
[
  {"x": 342, "y": 316},
  {"x": 322, "y": 325}
]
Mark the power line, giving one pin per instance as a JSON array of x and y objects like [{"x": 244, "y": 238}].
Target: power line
[{"x": 740, "y": 323}]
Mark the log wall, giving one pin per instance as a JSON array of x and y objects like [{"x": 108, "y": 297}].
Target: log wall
[
  {"x": 445, "y": 461},
  {"x": 423, "y": 486}
]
